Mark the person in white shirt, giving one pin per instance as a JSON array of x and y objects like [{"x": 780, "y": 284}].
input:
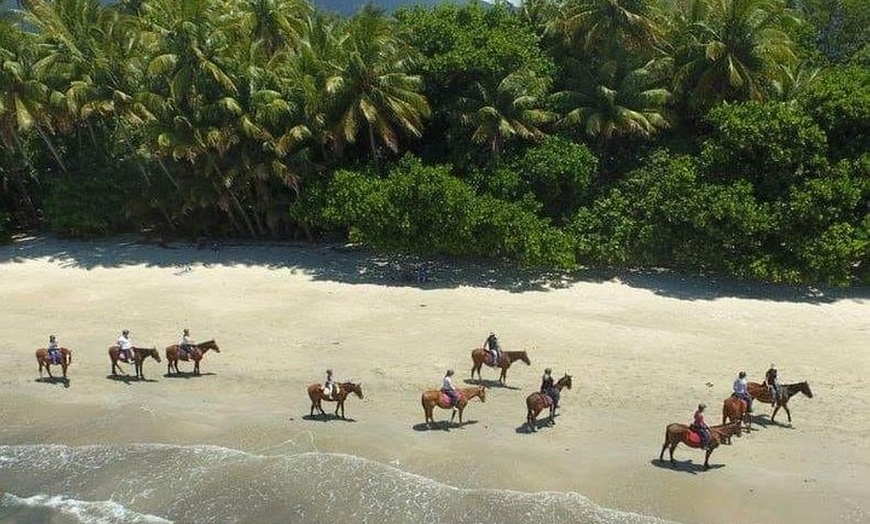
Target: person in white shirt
[
  {"x": 329, "y": 385},
  {"x": 448, "y": 387},
  {"x": 125, "y": 345},
  {"x": 186, "y": 343},
  {"x": 740, "y": 390}
]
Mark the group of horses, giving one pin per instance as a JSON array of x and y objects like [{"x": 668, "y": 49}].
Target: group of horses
[
  {"x": 174, "y": 353},
  {"x": 735, "y": 414}
]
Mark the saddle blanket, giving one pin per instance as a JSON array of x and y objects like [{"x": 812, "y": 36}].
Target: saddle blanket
[
  {"x": 489, "y": 360},
  {"x": 54, "y": 357},
  {"x": 694, "y": 438},
  {"x": 447, "y": 401}
]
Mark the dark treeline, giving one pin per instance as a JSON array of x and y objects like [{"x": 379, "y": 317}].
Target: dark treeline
[{"x": 717, "y": 135}]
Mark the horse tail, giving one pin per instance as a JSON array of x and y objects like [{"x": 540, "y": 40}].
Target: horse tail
[{"x": 69, "y": 357}]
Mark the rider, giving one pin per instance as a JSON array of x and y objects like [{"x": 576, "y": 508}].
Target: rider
[
  {"x": 491, "y": 345},
  {"x": 125, "y": 346},
  {"x": 329, "y": 385},
  {"x": 186, "y": 344},
  {"x": 772, "y": 382},
  {"x": 740, "y": 390},
  {"x": 548, "y": 387},
  {"x": 700, "y": 425},
  {"x": 53, "y": 349},
  {"x": 449, "y": 388}
]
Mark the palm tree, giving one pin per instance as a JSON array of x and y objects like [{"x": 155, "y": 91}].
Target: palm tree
[
  {"x": 376, "y": 91},
  {"x": 609, "y": 27},
  {"x": 615, "y": 102},
  {"x": 276, "y": 24},
  {"x": 733, "y": 50},
  {"x": 514, "y": 108}
]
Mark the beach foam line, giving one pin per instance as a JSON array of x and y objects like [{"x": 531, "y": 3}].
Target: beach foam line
[{"x": 84, "y": 511}]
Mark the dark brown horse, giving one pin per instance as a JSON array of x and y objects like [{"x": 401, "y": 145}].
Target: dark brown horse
[
  {"x": 537, "y": 401},
  {"x": 735, "y": 408},
  {"x": 44, "y": 360},
  {"x": 174, "y": 353},
  {"x": 761, "y": 393},
  {"x": 434, "y": 397},
  {"x": 676, "y": 433},
  {"x": 139, "y": 356},
  {"x": 506, "y": 358},
  {"x": 316, "y": 394}
]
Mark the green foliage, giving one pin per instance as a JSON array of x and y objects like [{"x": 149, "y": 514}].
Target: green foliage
[
  {"x": 839, "y": 102},
  {"x": 425, "y": 209},
  {"x": 5, "y": 227},
  {"x": 769, "y": 144},
  {"x": 560, "y": 173},
  {"x": 89, "y": 204}
]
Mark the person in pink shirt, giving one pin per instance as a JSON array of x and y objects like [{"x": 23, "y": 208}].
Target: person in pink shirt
[{"x": 700, "y": 425}]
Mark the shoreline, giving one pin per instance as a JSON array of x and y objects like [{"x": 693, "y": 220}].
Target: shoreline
[{"x": 641, "y": 352}]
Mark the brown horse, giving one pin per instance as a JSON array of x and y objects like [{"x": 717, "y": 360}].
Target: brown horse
[
  {"x": 433, "y": 397},
  {"x": 506, "y": 358},
  {"x": 537, "y": 401},
  {"x": 44, "y": 360},
  {"x": 316, "y": 394},
  {"x": 139, "y": 356},
  {"x": 174, "y": 353},
  {"x": 676, "y": 433},
  {"x": 761, "y": 393},
  {"x": 735, "y": 408}
]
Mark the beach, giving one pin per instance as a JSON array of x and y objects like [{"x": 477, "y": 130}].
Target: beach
[{"x": 237, "y": 444}]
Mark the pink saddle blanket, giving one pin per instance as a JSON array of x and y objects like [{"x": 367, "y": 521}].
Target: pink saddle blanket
[
  {"x": 694, "y": 438},
  {"x": 446, "y": 400}
]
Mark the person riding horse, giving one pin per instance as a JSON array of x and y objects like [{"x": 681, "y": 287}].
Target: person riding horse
[
  {"x": 700, "y": 426},
  {"x": 548, "y": 387},
  {"x": 186, "y": 343},
  {"x": 740, "y": 390},
  {"x": 771, "y": 380},
  {"x": 53, "y": 348},
  {"x": 329, "y": 386},
  {"x": 125, "y": 347},
  {"x": 449, "y": 388},
  {"x": 491, "y": 345}
]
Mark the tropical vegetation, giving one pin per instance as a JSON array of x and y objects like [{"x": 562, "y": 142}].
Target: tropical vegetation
[{"x": 728, "y": 136}]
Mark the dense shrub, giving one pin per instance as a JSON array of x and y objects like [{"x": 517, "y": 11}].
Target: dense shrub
[
  {"x": 5, "y": 227},
  {"x": 89, "y": 204},
  {"x": 839, "y": 102},
  {"x": 771, "y": 145}
]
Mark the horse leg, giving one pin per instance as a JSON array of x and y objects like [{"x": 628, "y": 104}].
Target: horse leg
[
  {"x": 707, "y": 458},
  {"x": 673, "y": 447},
  {"x": 775, "y": 409},
  {"x": 63, "y": 366},
  {"x": 48, "y": 370},
  {"x": 502, "y": 378},
  {"x": 39, "y": 360},
  {"x": 787, "y": 412}
]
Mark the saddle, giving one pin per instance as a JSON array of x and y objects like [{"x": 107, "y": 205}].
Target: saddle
[
  {"x": 55, "y": 357},
  {"x": 742, "y": 401},
  {"x": 490, "y": 361},
  {"x": 445, "y": 399}
]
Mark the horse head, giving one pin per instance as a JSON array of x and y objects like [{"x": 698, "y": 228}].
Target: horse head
[
  {"x": 152, "y": 352},
  {"x": 804, "y": 387},
  {"x": 525, "y": 358},
  {"x": 565, "y": 381},
  {"x": 209, "y": 344},
  {"x": 481, "y": 392},
  {"x": 353, "y": 388}
]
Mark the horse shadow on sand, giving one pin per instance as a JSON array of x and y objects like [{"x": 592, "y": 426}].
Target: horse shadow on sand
[
  {"x": 489, "y": 384},
  {"x": 542, "y": 422},
  {"x": 317, "y": 417},
  {"x": 128, "y": 379},
  {"x": 442, "y": 425},
  {"x": 763, "y": 421},
  {"x": 684, "y": 466},
  {"x": 187, "y": 374},
  {"x": 53, "y": 380}
]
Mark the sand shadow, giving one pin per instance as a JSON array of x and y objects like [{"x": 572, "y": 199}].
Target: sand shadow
[
  {"x": 763, "y": 421},
  {"x": 328, "y": 418},
  {"x": 541, "y": 422},
  {"x": 489, "y": 384},
  {"x": 187, "y": 374},
  {"x": 684, "y": 466},
  {"x": 53, "y": 380},
  {"x": 127, "y": 379},
  {"x": 442, "y": 425}
]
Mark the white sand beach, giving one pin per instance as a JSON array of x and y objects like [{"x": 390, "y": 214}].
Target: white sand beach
[{"x": 643, "y": 349}]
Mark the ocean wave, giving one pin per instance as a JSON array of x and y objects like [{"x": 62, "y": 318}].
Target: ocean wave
[
  {"x": 205, "y": 484},
  {"x": 86, "y": 512}
]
